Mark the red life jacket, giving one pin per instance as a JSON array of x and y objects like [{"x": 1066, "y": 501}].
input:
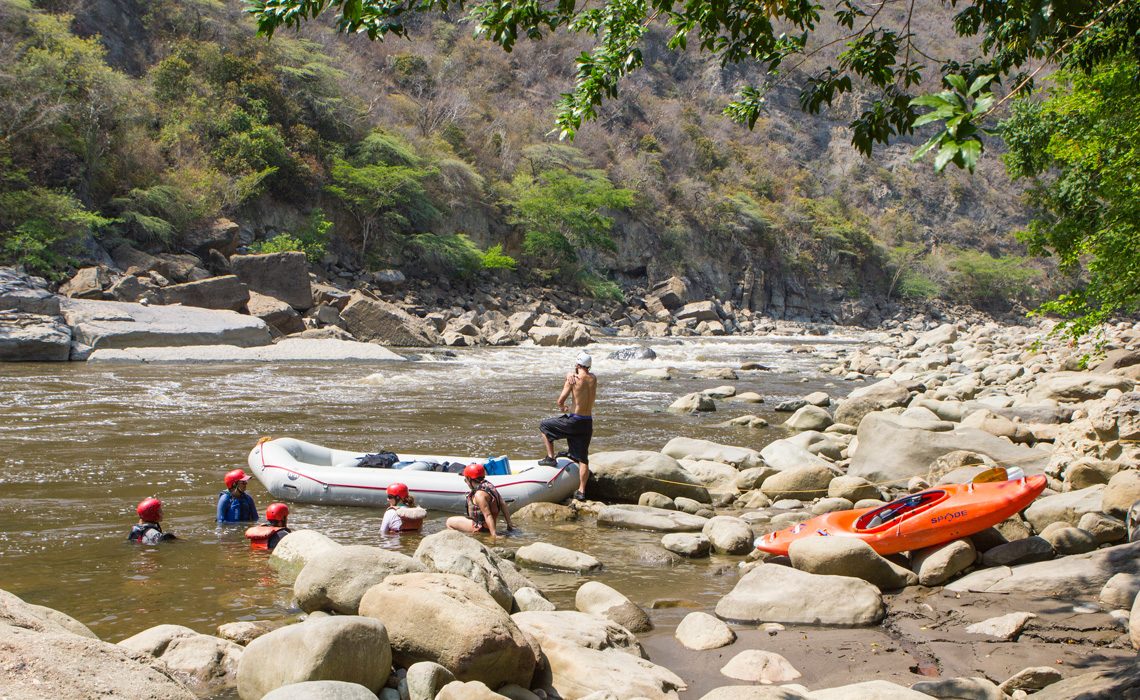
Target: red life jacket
[{"x": 259, "y": 535}]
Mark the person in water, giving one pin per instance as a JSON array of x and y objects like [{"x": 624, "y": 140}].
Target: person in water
[
  {"x": 234, "y": 504},
  {"x": 267, "y": 536},
  {"x": 576, "y": 428},
  {"x": 148, "y": 529},
  {"x": 402, "y": 515},
  {"x": 484, "y": 504}
]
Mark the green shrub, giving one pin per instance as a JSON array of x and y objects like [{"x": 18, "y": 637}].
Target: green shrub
[
  {"x": 41, "y": 229},
  {"x": 312, "y": 240},
  {"x": 915, "y": 286},
  {"x": 450, "y": 254},
  {"x": 978, "y": 278},
  {"x": 600, "y": 287},
  {"x": 496, "y": 259}
]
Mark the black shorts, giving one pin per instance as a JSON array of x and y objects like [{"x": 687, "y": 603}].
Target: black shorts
[{"x": 576, "y": 430}]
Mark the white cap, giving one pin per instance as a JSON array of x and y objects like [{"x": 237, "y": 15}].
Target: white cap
[{"x": 584, "y": 359}]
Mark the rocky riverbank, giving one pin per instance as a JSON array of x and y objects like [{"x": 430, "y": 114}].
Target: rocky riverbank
[
  {"x": 138, "y": 300},
  {"x": 1043, "y": 604}
]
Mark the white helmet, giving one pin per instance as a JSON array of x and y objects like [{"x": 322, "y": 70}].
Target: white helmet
[{"x": 584, "y": 359}]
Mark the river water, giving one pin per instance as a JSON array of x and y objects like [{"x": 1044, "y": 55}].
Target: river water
[{"x": 81, "y": 445}]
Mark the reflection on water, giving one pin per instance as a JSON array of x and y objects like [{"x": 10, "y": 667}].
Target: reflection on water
[{"x": 82, "y": 445}]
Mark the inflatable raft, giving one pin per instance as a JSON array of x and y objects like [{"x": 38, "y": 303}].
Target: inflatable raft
[
  {"x": 920, "y": 520},
  {"x": 294, "y": 470}
]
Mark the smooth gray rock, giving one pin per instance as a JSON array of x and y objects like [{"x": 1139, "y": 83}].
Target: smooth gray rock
[
  {"x": 894, "y": 450},
  {"x": 1023, "y": 551},
  {"x": 876, "y": 397},
  {"x": 321, "y": 690},
  {"x": 739, "y": 457},
  {"x": 700, "y": 631},
  {"x": 961, "y": 689},
  {"x": 335, "y": 580},
  {"x": 625, "y": 475},
  {"x": 1006, "y": 627},
  {"x": 1120, "y": 591},
  {"x": 1064, "y": 507},
  {"x": 937, "y": 565},
  {"x": 809, "y": 418},
  {"x": 1077, "y": 386},
  {"x": 296, "y": 549},
  {"x": 728, "y": 535},
  {"x": 527, "y": 599},
  {"x": 784, "y": 454},
  {"x": 1031, "y": 679},
  {"x": 28, "y": 337},
  {"x": 773, "y": 593},
  {"x": 286, "y": 350},
  {"x": 1122, "y": 491},
  {"x": 24, "y": 293},
  {"x": 597, "y": 598},
  {"x": 696, "y": 402},
  {"x": 374, "y": 320},
  {"x": 1075, "y": 575},
  {"x": 454, "y": 622},
  {"x": 848, "y": 556},
  {"x": 868, "y": 690},
  {"x": 760, "y": 666},
  {"x": 753, "y": 692},
  {"x": 426, "y": 679},
  {"x": 587, "y": 654},
  {"x": 687, "y": 545},
  {"x": 803, "y": 483},
  {"x": 208, "y": 665},
  {"x": 345, "y": 648},
  {"x": 548, "y": 556},
  {"x": 641, "y": 518},
  {"x": 451, "y": 552},
  {"x": 112, "y": 324}
]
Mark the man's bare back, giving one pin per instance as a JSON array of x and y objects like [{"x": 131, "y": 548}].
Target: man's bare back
[{"x": 583, "y": 387}]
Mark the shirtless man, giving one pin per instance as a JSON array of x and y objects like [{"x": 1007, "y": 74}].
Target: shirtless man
[{"x": 578, "y": 427}]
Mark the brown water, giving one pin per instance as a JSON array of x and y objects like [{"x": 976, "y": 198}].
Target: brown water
[{"x": 81, "y": 445}]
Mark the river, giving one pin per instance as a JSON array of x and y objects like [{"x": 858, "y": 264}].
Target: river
[{"x": 82, "y": 444}]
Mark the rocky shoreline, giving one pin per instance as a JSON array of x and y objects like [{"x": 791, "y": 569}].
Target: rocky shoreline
[
  {"x": 1043, "y": 604},
  {"x": 138, "y": 300}
]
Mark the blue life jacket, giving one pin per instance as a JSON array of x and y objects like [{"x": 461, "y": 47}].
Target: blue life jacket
[{"x": 236, "y": 510}]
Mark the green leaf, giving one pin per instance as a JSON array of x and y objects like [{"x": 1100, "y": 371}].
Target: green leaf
[
  {"x": 934, "y": 101},
  {"x": 970, "y": 151},
  {"x": 980, "y": 82},
  {"x": 958, "y": 82},
  {"x": 949, "y": 150}
]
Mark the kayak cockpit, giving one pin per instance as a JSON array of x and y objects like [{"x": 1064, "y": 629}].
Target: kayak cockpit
[{"x": 900, "y": 509}]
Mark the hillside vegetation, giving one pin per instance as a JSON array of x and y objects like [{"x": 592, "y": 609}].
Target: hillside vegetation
[{"x": 148, "y": 121}]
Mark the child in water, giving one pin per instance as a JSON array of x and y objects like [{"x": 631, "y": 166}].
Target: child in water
[
  {"x": 147, "y": 530},
  {"x": 267, "y": 536}
]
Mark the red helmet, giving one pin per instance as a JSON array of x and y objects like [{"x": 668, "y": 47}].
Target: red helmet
[
  {"x": 234, "y": 477},
  {"x": 277, "y": 511},
  {"x": 150, "y": 510},
  {"x": 399, "y": 491},
  {"x": 474, "y": 471}
]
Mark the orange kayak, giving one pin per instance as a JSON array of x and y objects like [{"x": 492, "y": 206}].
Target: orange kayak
[{"x": 919, "y": 520}]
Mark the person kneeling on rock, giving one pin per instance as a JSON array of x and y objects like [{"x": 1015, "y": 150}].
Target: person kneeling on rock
[
  {"x": 267, "y": 536},
  {"x": 403, "y": 515},
  {"x": 147, "y": 530},
  {"x": 484, "y": 504}
]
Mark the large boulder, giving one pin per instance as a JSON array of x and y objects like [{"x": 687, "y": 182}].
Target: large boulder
[
  {"x": 671, "y": 293},
  {"x": 597, "y": 598},
  {"x": 646, "y": 518},
  {"x": 1065, "y": 507},
  {"x": 33, "y": 338},
  {"x": 587, "y": 654},
  {"x": 868, "y": 690},
  {"x": 26, "y": 294},
  {"x": 335, "y": 579},
  {"x": 937, "y": 565},
  {"x": 543, "y": 555},
  {"x": 1074, "y": 575},
  {"x": 695, "y": 402},
  {"x": 425, "y": 679},
  {"x": 1077, "y": 386},
  {"x": 848, "y": 556},
  {"x": 296, "y": 549},
  {"x": 275, "y": 313},
  {"x": 87, "y": 283},
  {"x": 728, "y": 535},
  {"x": 374, "y": 320},
  {"x": 451, "y": 552},
  {"x": 321, "y": 690},
  {"x": 802, "y": 483},
  {"x": 454, "y": 622},
  {"x": 345, "y": 648},
  {"x": 206, "y": 664},
  {"x": 221, "y": 235},
  {"x": 785, "y": 454},
  {"x": 700, "y": 631},
  {"x": 689, "y": 448},
  {"x": 877, "y": 397},
  {"x": 112, "y": 324},
  {"x": 224, "y": 293},
  {"x": 283, "y": 276},
  {"x": 1122, "y": 491},
  {"x": 625, "y": 475},
  {"x": 893, "y": 449},
  {"x": 809, "y": 417},
  {"x": 774, "y": 593}
]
